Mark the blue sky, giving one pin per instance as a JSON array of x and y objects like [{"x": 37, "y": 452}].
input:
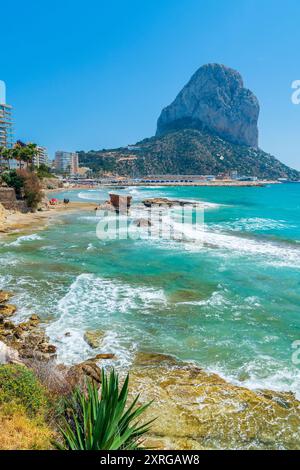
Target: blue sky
[{"x": 96, "y": 74}]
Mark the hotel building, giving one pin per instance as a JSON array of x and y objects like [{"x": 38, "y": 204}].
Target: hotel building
[
  {"x": 41, "y": 158},
  {"x": 6, "y": 128},
  {"x": 66, "y": 162}
]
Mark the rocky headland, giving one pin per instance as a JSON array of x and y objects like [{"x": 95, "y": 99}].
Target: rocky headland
[{"x": 210, "y": 128}]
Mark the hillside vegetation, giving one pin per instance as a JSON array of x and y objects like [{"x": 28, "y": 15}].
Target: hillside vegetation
[{"x": 186, "y": 151}]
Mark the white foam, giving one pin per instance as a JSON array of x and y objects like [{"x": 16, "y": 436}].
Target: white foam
[
  {"x": 24, "y": 238},
  {"x": 93, "y": 194},
  {"x": 199, "y": 238},
  {"x": 264, "y": 373},
  {"x": 91, "y": 300},
  {"x": 252, "y": 224}
]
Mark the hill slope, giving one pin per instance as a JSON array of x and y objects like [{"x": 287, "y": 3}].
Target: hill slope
[{"x": 187, "y": 151}]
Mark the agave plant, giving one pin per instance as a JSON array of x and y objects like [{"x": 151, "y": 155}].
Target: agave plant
[{"x": 96, "y": 421}]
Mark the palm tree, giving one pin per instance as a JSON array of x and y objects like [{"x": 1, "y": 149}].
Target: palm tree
[{"x": 31, "y": 151}]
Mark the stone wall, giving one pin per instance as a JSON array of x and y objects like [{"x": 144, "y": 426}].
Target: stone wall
[{"x": 8, "y": 198}]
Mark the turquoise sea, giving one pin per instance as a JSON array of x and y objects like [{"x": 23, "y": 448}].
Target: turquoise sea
[{"x": 231, "y": 305}]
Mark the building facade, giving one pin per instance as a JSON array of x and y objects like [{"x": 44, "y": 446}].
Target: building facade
[
  {"x": 41, "y": 158},
  {"x": 66, "y": 162},
  {"x": 6, "y": 126}
]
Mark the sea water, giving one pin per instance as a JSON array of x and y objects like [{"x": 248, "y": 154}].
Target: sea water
[{"x": 230, "y": 304}]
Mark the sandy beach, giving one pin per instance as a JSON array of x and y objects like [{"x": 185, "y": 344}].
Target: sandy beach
[{"x": 16, "y": 221}]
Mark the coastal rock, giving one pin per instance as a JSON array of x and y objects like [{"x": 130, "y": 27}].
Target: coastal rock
[
  {"x": 163, "y": 201},
  {"x": 198, "y": 410},
  {"x": 7, "y": 310},
  {"x": 3, "y": 216},
  {"x": 30, "y": 341},
  {"x": 214, "y": 99},
  {"x": 8, "y": 355},
  {"x": 94, "y": 338},
  {"x": 106, "y": 206},
  {"x": 105, "y": 356},
  {"x": 80, "y": 373},
  {"x": 120, "y": 202},
  {"x": 4, "y": 296}
]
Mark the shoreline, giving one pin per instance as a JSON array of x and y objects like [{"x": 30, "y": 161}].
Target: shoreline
[
  {"x": 192, "y": 409},
  {"x": 18, "y": 221},
  {"x": 126, "y": 184}
]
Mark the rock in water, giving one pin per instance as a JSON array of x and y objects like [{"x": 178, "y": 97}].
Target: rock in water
[
  {"x": 214, "y": 99},
  {"x": 94, "y": 338}
]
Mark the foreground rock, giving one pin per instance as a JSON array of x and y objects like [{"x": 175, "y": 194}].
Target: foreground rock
[
  {"x": 28, "y": 339},
  {"x": 8, "y": 355},
  {"x": 215, "y": 98},
  {"x": 7, "y": 310},
  {"x": 4, "y": 296},
  {"x": 197, "y": 410}
]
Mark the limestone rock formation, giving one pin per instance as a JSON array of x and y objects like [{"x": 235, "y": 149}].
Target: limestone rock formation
[
  {"x": 214, "y": 99},
  {"x": 196, "y": 410}
]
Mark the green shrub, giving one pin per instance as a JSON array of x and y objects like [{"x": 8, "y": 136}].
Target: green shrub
[
  {"x": 104, "y": 422},
  {"x": 18, "y": 385},
  {"x": 26, "y": 184},
  {"x": 32, "y": 189},
  {"x": 14, "y": 180}
]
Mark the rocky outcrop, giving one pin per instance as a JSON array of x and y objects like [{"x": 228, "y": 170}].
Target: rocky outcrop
[
  {"x": 198, "y": 410},
  {"x": 3, "y": 216},
  {"x": 8, "y": 198},
  {"x": 7, "y": 310},
  {"x": 8, "y": 355},
  {"x": 164, "y": 201},
  {"x": 94, "y": 338},
  {"x": 4, "y": 296},
  {"x": 120, "y": 202},
  {"x": 214, "y": 99},
  {"x": 27, "y": 338}
]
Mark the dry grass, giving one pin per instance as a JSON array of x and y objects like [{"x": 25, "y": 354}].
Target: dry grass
[{"x": 19, "y": 432}]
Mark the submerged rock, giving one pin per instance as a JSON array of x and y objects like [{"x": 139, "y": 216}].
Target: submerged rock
[
  {"x": 94, "y": 338},
  {"x": 198, "y": 410}
]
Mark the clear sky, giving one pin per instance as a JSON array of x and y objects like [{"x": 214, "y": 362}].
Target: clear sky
[{"x": 96, "y": 74}]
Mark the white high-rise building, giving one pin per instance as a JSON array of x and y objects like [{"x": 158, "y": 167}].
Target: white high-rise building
[
  {"x": 6, "y": 128},
  {"x": 66, "y": 162}
]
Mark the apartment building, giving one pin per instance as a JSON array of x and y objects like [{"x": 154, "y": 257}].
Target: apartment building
[
  {"x": 66, "y": 162},
  {"x": 6, "y": 126}
]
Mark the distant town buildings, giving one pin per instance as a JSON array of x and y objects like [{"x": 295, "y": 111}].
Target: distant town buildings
[
  {"x": 66, "y": 162},
  {"x": 6, "y": 126}
]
